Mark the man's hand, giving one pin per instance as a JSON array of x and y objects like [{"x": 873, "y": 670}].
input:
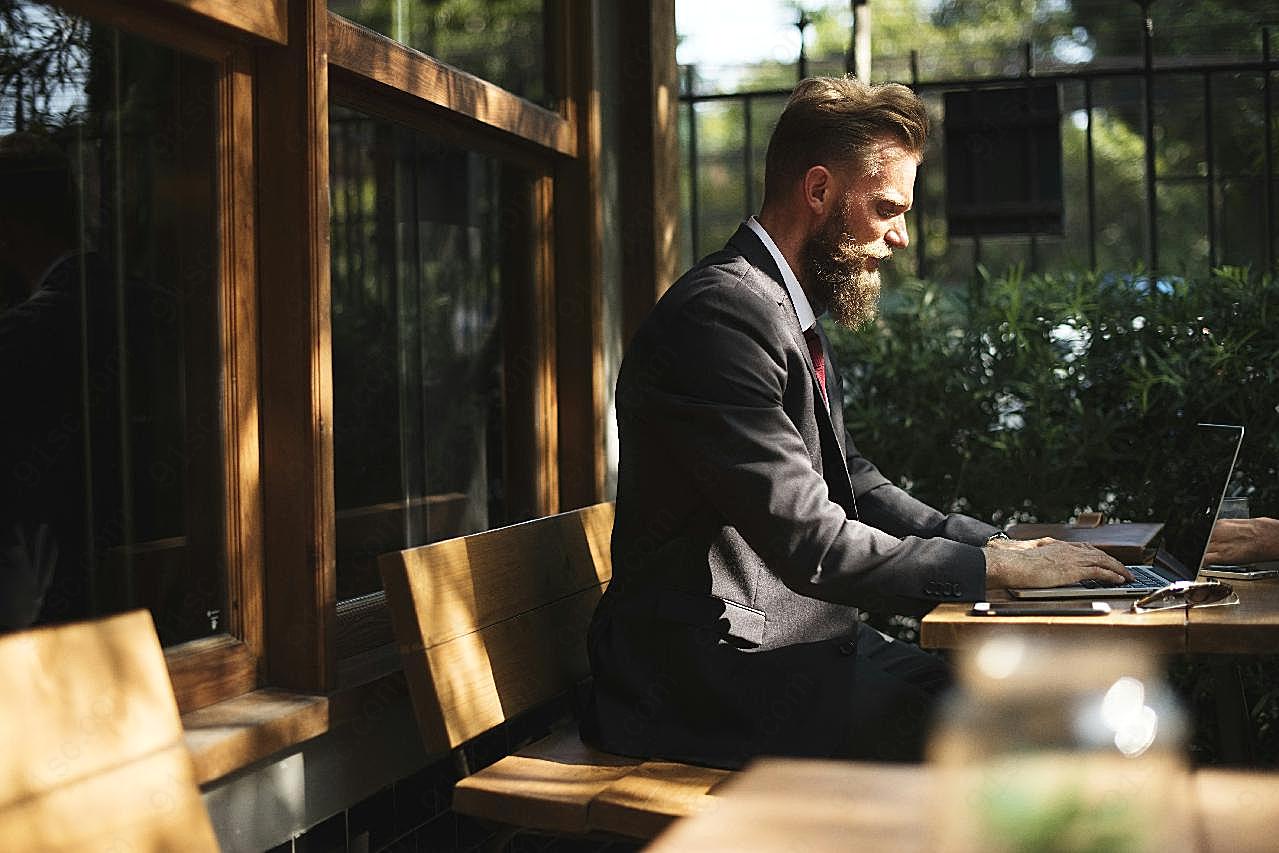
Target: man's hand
[
  {"x": 1020, "y": 544},
  {"x": 1243, "y": 540},
  {"x": 1051, "y": 563}
]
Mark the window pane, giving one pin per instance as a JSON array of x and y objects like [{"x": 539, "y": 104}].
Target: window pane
[
  {"x": 502, "y": 41},
  {"x": 110, "y": 471},
  {"x": 424, "y": 238}
]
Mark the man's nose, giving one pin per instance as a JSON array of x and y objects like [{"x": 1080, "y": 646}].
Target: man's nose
[{"x": 897, "y": 236}]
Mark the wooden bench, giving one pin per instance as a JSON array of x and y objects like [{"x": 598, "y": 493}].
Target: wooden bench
[
  {"x": 94, "y": 756},
  {"x": 493, "y": 625}
]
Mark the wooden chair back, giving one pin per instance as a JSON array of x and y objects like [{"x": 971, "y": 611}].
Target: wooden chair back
[
  {"x": 94, "y": 757},
  {"x": 493, "y": 624}
]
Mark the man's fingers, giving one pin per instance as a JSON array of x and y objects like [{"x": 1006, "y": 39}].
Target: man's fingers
[
  {"x": 1103, "y": 567},
  {"x": 1107, "y": 563},
  {"x": 1119, "y": 569}
]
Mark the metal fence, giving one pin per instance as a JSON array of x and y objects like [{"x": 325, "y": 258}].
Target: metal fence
[{"x": 1168, "y": 166}]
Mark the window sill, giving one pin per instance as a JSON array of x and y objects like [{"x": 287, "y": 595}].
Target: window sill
[{"x": 237, "y": 732}]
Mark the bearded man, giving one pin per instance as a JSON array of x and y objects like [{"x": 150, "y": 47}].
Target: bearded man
[{"x": 749, "y": 529}]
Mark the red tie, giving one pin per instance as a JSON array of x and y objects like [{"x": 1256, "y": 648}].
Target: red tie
[{"x": 819, "y": 357}]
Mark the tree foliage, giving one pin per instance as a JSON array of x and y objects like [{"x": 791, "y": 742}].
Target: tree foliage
[{"x": 43, "y": 60}]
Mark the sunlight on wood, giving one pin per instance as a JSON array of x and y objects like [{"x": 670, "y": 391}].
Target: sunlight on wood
[
  {"x": 491, "y": 625},
  {"x": 99, "y": 760},
  {"x": 466, "y": 687},
  {"x": 597, "y": 522},
  {"x": 392, "y": 64}
]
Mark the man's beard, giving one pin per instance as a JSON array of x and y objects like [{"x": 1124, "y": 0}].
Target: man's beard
[{"x": 835, "y": 270}]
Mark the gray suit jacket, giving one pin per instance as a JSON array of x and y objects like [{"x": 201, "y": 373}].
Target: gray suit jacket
[{"x": 749, "y": 531}]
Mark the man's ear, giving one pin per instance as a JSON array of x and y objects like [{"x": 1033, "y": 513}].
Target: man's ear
[{"x": 819, "y": 191}]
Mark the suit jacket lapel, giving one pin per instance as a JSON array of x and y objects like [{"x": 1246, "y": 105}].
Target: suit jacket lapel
[
  {"x": 748, "y": 244},
  {"x": 830, "y": 421}
]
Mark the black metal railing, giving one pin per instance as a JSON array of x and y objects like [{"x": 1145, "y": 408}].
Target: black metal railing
[{"x": 1148, "y": 74}]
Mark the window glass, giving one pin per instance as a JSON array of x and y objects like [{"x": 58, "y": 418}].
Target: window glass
[
  {"x": 425, "y": 237},
  {"x": 110, "y": 451},
  {"x": 502, "y": 41}
]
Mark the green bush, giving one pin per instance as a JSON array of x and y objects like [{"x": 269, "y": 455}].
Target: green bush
[{"x": 1035, "y": 397}]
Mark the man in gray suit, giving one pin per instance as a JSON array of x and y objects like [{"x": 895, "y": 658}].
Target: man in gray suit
[{"x": 750, "y": 530}]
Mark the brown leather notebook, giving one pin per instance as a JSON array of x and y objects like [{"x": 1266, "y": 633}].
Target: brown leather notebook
[{"x": 1128, "y": 542}]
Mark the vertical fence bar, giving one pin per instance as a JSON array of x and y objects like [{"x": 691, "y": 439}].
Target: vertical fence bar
[
  {"x": 1148, "y": 99},
  {"x": 1210, "y": 158},
  {"x": 1090, "y": 178},
  {"x": 975, "y": 175},
  {"x": 1031, "y": 177},
  {"x": 748, "y": 155},
  {"x": 693, "y": 199},
  {"x": 1268, "y": 153},
  {"x": 921, "y": 196},
  {"x": 802, "y": 25}
]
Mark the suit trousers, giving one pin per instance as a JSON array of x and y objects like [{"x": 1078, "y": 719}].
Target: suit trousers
[{"x": 899, "y": 688}]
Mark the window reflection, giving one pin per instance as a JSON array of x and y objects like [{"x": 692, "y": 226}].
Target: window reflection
[
  {"x": 502, "y": 41},
  {"x": 109, "y": 441},
  {"x": 421, "y": 248}
]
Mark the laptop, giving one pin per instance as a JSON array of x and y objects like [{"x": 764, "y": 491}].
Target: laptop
[{"x": 1209, "y": 452}]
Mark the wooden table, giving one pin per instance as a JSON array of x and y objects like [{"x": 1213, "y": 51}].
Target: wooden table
[
  {"x": 1251, "y": 627},
  {"x": 804, "y": 804},
  {"x": 1248, "y": 628}
]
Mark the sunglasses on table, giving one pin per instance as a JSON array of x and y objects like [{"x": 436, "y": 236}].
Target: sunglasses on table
[{"x": 1187, "y": 594}]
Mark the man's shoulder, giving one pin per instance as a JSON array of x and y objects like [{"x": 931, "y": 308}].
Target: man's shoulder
[{"x": 726, "y": 274}]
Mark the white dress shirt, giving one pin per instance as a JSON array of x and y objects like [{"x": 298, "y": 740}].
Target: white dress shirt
[{"x": 803, "y": 310}]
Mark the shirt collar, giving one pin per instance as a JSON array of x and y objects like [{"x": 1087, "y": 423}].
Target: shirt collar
[{"x": 803, "y": 310}]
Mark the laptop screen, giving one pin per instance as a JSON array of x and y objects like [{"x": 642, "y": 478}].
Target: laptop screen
[{"x": 1204, "y": 459}]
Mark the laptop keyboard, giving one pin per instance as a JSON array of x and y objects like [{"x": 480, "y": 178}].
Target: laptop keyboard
[{"x": 1142, "y": 577}]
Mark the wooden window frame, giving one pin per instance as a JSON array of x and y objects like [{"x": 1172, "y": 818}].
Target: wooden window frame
[
  {"x": 211, "y": 669},
  {"x": 442, "y": 90},
  {"x": 275, "y": 62},
  {"x": 188, "y": 21},
  {"x": 380, "y": 77}
]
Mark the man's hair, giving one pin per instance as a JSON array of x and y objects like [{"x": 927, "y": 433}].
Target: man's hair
[{"x": 841, "y": 120}]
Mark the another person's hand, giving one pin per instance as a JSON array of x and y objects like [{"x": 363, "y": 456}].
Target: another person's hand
[
  {"x": 1243, "y": 540},
  {"x": 1051, "y": 564}
]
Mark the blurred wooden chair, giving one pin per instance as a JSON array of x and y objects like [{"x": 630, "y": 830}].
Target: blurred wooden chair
[{"x": 94, "y": 758}]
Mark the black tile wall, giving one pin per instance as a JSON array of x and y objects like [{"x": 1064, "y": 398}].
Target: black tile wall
[
  {"x": 371, "y": 824},
  {"x": 328, "y": 836},
  {"x": 438, "y": 834}
]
